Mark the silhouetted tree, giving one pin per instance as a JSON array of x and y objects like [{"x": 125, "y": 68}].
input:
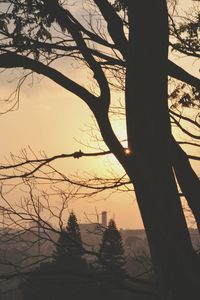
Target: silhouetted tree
[
  {"x": 112, "y": 250},
  {"x": 61, "y": 245},
  {"x": 65, "y": 276},
  {"x": 111, "y": 263},
  {"x": 27, "y": 41},
  {"x": 69, "y": 244},
  {"x": 74, "y": 247}
]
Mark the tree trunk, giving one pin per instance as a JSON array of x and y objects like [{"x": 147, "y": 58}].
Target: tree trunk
[
  {"x": 149, "y": 134},
  {"x": 187, "y": 180}
]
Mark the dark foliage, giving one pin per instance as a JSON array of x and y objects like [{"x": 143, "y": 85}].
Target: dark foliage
[
  {"x": 112, "y": 250},
  {"x": 61, "y": 281},
  {"x": 70, "y": 276},
  {"x": 69, "y": 242}
]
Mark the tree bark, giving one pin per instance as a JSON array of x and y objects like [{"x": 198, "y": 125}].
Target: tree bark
[
  {"x": 187, "y": 180},
  {"x": 149, "y": 134}
]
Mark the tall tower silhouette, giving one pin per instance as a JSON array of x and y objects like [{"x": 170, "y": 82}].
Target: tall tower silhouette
[{"x": 104, "y": 218}]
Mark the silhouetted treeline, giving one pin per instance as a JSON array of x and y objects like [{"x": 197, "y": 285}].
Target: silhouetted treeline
[{"x": 71, "y": 276}]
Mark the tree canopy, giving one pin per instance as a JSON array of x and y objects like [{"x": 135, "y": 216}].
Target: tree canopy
[
  {"x": 69, "y": 244},
  {"x": 112, "y": 251}
]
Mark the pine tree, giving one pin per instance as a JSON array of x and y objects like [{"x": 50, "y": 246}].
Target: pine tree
[
  {"x": 69, "y": 243},
  {"x": 61, "y": 246},
  {"x": 112, "y": 250},
  {"x": 74, "y": 247}
]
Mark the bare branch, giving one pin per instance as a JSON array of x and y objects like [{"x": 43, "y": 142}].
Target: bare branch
[{"x": 12, "y": 60}]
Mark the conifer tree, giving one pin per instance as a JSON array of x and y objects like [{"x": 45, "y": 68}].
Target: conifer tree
[
  {"x": 74, "y": 241},
  {"x": 69, "y": 243},
  {"x": 112, "y": 250},
  {"x": 61, "y": 246}
]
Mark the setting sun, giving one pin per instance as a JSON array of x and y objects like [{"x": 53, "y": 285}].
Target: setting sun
[{"x": 127, "y": 151}]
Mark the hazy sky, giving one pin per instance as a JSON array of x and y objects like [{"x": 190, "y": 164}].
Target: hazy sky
[{"x": 54, "y": 120}]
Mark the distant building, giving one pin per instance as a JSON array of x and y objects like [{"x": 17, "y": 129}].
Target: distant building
[
  {"x": 91, "y": 233},
  {"x": 104, "y": 218}
]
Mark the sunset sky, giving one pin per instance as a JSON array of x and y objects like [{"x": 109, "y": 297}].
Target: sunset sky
[{"x": 55, "y": 121}]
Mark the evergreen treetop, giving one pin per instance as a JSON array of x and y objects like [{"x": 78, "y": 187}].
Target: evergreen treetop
[
  {"x": 69, "y": 243},
  {"x": 74, "y": 236},
  {"x": 112, "y": 250}
]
